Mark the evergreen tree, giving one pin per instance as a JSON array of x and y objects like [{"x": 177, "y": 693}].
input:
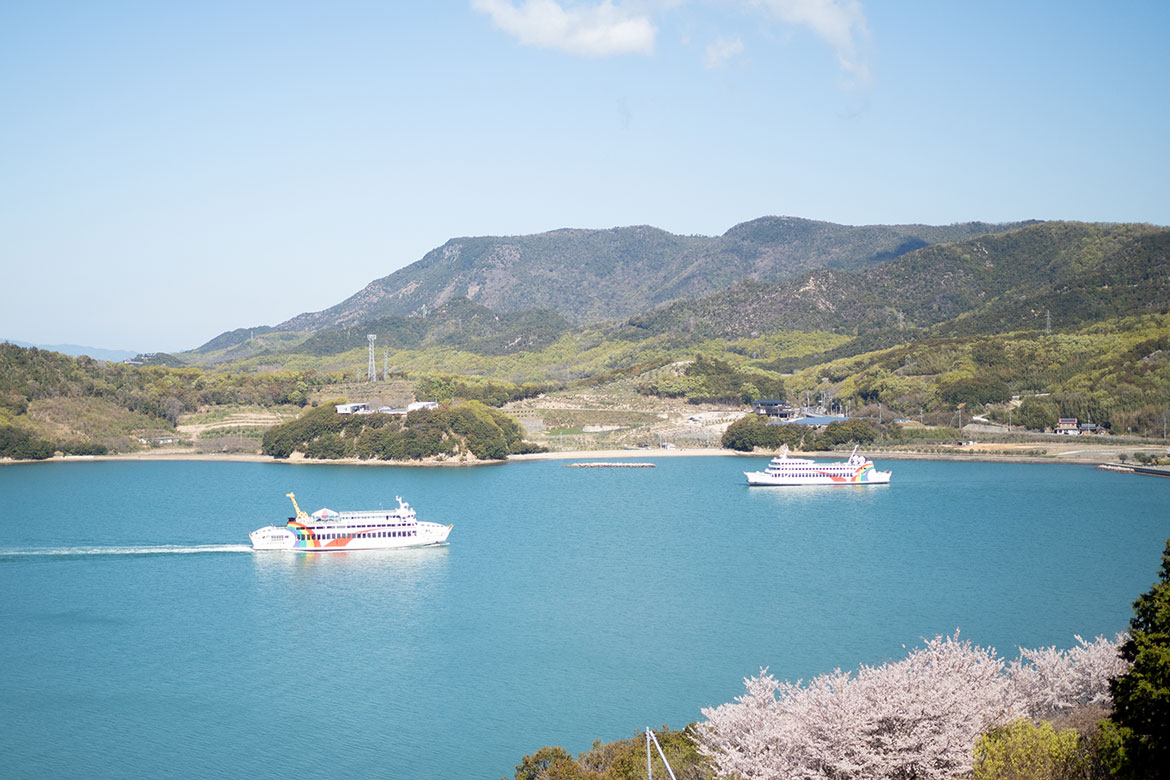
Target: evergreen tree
[{"x": 1137, "y": 734}]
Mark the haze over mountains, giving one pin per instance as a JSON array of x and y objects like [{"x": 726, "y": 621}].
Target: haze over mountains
[
  {"x": 590, "y": 276},
  {"x": 98, "y": 353}
]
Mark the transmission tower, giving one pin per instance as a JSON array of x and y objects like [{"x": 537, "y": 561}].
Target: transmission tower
[{"x": 373, "y": 371}]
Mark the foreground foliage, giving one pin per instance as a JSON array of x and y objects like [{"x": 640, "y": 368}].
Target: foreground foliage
[
  {"x": 621, "y": 760},
  {"x": 1025, "y": 750},
  {"x": 1137, "y": 733},
  {"x": 916, "y": 718}
]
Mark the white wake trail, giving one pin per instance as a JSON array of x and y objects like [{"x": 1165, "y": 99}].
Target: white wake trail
[{"x": 162, "y": 549}]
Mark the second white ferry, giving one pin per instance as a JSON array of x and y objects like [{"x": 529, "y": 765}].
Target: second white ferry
[
  {"x": 783, "y": 470},
  {"x": 328, "y": 531}
]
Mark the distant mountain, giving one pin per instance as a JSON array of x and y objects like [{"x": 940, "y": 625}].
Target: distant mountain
[
  {"x": 75, "y": 350},
  {"x": 595, "y": 275},
  {"x": 1079, "y": 273}
]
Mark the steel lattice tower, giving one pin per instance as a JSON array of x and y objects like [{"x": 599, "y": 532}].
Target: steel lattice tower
[{"x": 373, "y": 371}]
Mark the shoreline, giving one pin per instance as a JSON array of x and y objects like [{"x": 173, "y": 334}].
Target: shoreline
[{"x": 1068, "y": 457}]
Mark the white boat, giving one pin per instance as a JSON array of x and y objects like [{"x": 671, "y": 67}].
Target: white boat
[
  {"x": 329, "y": 531},
  {"x": 783, "y": 470}
]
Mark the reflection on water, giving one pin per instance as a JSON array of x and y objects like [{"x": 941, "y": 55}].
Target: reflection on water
[
  {"x": 407, "y": 567},
  {"x": 823, "y": 498}
]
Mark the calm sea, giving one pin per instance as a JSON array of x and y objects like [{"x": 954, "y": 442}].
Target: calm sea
[{"x": 141, "y": 638}]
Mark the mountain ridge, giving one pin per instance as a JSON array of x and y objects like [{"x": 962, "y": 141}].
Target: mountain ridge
[
  {"x": 991, "y": 283},
  {"x": 590, "y": 276}
]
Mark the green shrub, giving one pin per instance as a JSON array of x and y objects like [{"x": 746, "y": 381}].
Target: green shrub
[{"x": 1024, "y": 750}]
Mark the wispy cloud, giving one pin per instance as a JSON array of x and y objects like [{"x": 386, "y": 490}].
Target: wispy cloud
[
  {"x": 839, "y": 23},
  {"x": 721, "y": 51},
  {"x": 588, "y": 30}
]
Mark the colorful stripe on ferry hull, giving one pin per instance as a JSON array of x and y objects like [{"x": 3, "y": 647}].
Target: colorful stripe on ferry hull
[
  {"x": 864, "y": 473},
  {"x": 313, "y": 540}
]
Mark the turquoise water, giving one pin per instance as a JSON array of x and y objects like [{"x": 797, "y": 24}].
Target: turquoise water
[{"x": 140, "y": 638}]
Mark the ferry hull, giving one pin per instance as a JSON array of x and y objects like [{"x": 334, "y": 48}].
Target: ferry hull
[
  {"x": 281, "y": 538},
  {"x": 761, "y": 479}
]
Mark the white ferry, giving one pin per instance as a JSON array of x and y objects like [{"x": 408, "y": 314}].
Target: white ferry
[
  {"x": 783, "y": 470},
  {"x": 328, "y": 531}
]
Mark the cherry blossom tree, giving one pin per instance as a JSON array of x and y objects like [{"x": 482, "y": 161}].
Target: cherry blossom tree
[
  {"x": 1053, "y": 681},
  {"x": 918, "y": 718}
]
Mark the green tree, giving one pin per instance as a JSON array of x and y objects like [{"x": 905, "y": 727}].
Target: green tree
[
  {"x": 978, "y": 390},
  {"x": 22, "y": 445},
  {"x": 549, "y": 763},
  {"x": 1136, "y": 735},
  {"x": 1024, "y": 750},
  {"x": 1037, "y": 414}
]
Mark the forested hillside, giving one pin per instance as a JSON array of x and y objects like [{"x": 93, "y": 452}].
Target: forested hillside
[
  {"x": 1080, "y": 273},
  {"x": 49, "y": 401},
  {"x": 458, "y": 324},
  {"x": 594, "y": 275},
  {"x": 1070, "y": 319}
]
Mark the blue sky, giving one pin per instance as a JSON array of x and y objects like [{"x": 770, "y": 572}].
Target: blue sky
[{"x": 172, "y": 170}]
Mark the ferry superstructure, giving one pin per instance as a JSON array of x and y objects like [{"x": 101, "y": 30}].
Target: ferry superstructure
[
  {"x": 783, "y": 470},
  {"x": 329, "y": 531}
]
